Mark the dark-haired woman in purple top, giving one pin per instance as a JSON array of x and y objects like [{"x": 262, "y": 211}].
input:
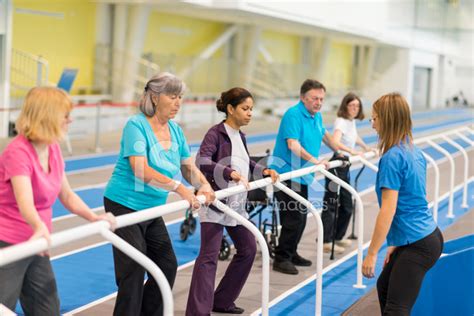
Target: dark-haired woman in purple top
[{"x": 224, "y": 159}]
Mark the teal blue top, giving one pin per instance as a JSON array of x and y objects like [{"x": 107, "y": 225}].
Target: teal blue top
[
  {"x": 298, "y": 124},
  {"x": 403, "y": 168},
  {"x": 138, "y": 139}
]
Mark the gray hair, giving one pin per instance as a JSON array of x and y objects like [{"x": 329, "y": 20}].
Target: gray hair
[{"x": 162, "y": 83}]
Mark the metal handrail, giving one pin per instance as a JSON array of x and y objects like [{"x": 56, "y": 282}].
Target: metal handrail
[
  {"x": 150, "y": 266},
  {"x": 359, "y": 210},
  {"x": 263, "y": 247},
  {"x": 451, "y": 178},
  {"x": 466, "y": 167},
  {"x": 29, "y": 248},
  {"x": 319, "y": 247},
  {"x": 436, "y": 193}
]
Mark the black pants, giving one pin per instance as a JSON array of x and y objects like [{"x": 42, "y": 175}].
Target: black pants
[
  {"x": 151, "y": 238},
  {"x": 292, "y": 219},
  {"x": 32, "y": 281},
  {"x": 400, "y": 281},
  {"x": 330, "y": 203}
]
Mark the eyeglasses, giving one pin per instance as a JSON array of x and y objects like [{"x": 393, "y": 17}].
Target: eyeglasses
[{"x": 372, "y": 120}]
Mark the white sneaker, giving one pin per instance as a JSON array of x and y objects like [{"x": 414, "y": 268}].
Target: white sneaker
[
  {"x": 327, "y": 247},
  {"x": 344, "y": 242}
]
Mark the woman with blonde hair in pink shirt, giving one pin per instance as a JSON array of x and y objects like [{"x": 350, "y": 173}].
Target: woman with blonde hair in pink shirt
[{"x": 31, "y": 179}]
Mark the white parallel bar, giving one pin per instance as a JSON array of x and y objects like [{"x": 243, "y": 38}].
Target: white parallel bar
[
  {"x": 369, "y": 164},
  {"x": 297, "y": 287},
  {"x": 431, "y": 137},
  {"x": 360, "y": 216},
  {"x": 150, "y": 266},
  {"x": 319, "y": 246},
  {"x": 33, "y": 247},
  {"x": 30, "y": 248},
  {"x": 436, "y": 193},
  {"x": 464, "y": 138},
  {"x": 263, "y": 247},
  {"x": 4, "y": 311},
  {"x": 466, "y": 167},
  {"x": 453, "y": 170}
]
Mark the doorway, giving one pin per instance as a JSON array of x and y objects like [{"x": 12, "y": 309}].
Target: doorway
[{"x": 421, "y": 88}]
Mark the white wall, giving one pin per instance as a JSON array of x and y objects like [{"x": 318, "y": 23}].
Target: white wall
[
  {"x": 424, "y": 59},
  {"x": 393, "y": 79}
]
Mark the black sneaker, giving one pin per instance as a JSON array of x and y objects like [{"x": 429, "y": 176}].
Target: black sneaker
[
  {"x": 232, "y": 310},
  {"x": 284, "y": 267},
  {"x": 300, "y": 261}
]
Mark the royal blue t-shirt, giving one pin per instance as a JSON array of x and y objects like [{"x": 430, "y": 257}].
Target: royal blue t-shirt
[
  {"x": 298, "y": 124},
  {"x": 138, "y": 139},
  {"x": 403, "y": 168}
]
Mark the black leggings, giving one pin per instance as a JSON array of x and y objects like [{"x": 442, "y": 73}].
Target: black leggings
[
  {"x": 400, "y": 281},
  {"x": 151, "y": 238},
  {"x": 345, "y": 209}
]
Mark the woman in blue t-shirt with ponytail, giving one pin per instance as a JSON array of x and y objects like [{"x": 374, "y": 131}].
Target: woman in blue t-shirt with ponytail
[{"x": 414, "y": 241}]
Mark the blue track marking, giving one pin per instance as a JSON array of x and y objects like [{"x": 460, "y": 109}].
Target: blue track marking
[
  {"x": 448, "y": 288},
  {"x": 98, "y": 263},
  {"x": 70, "y": 270},
  {"x": 459, "y": 244},
  {"x": 77, "y": 164},
  {"x": 338, "y": 293},
  {"x": 94, "y": 197}
]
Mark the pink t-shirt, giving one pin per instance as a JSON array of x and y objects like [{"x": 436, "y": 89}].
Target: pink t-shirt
[{"x": 20, "y": 158}]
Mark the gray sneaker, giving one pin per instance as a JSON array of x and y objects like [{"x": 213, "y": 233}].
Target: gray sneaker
[{"x": 337, "y": 249}]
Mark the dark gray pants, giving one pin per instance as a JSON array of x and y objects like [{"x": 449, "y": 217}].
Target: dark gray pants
[
  {"x": 151, "y": 238},
  {"x": 32, "y": 281}
]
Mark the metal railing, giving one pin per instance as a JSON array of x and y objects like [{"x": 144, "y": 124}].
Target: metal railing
[
  {"x": 27, "y": 71},
  {"x": 29, "y": 248},
  {"x": 430, "y": 140}
]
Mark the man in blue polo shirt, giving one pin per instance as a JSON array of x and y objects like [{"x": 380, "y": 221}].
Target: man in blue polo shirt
[{"x": 298, "y": 142}]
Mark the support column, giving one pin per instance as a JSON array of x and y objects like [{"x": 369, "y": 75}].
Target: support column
[
  {"x": 253, "y": 34},
  {"x": 306, "y": 50},
  {"x": 103, "y": 49},
  {"x": 365, "y": 61},
  {"x": 6, "y": 14},
  {"x": 137, "y": 28},
  {"x": 209, "y": 50},
  {"x": 237, "y": 56},
  {"x": 369, "y": 64},
  {"x": 118, "y": 47},
  {"x": 321, "y": 51}
]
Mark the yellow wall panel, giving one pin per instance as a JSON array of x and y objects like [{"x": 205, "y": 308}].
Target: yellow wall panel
[
  {"x": 65, "y": 41},
  {"x": 284, "y": 48},
  {"x": 338, "y": 71},
  {"x": 180, "y": 35},
  {"x": 175, "y": 40}
]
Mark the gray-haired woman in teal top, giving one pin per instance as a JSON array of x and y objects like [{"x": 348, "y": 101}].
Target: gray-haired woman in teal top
[{"x": 153, "y": 153}]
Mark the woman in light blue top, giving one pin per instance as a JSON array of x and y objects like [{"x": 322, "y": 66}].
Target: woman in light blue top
[
  {"x": 414, "y": 241},
  {"x": 153, "y": 153}
]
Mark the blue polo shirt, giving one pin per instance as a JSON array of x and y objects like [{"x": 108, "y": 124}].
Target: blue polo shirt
[
  {"x": 403, "y": 168},
  {"x": 138, "y": 139},
  {"x": 299, "y": 124}
]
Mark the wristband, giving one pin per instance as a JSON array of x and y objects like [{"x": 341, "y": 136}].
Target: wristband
[{"x": 176, "y": 185}]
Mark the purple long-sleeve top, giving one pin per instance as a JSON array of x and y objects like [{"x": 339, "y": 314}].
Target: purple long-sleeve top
[{"x": 214, "y": 157}]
